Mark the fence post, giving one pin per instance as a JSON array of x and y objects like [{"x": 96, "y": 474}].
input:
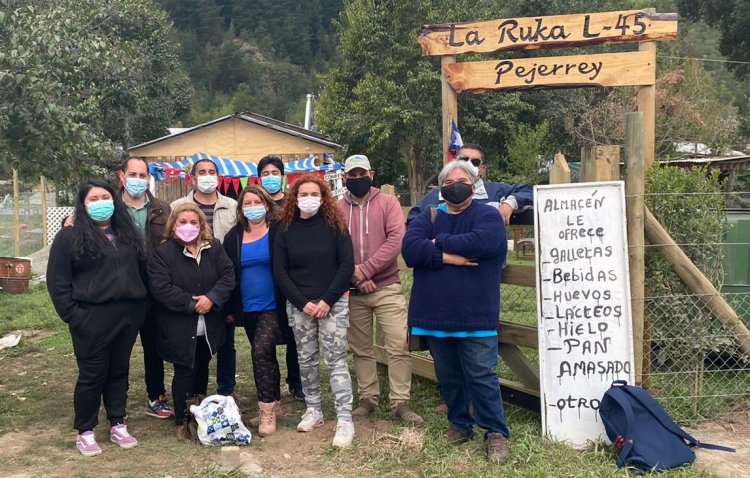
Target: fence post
[
  {"x": 16, "y": 213},
  {"x": 634, "y": 190},
  {"x": 600, "y": 163},
  {"x": 43, "y": 192},
  {"x": 449, "y": 106},
  {"x": 560, "y": 172}
]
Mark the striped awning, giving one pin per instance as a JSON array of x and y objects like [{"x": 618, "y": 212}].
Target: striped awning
[{"x": 231, "y": 168}]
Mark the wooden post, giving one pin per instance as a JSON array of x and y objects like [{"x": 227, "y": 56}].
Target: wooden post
[
  {"x": 560, "y": 172},
  {"x": 16, "y": 213},
  {"x": 600, "y": 163},
  {"x": 634, "y": 190},
  {"x": 43, "y": 192},
  {"x": 450, "y": 106},
  {"x": 696, "y": 281},
  {"x": 647, "y": 106}
]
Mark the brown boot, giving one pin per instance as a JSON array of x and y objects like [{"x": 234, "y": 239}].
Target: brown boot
[
  {"x": 267, "y": 419},
  {"x": 442, "y": 409},
  {"x": 366, "y": 407},
  {"x": 496, "y": 448},
  {"x": 255, "y": 421},
  {"x": 181, "y": 433},
  {"x": 406, "y": 414},
  {"x": 456, "y": 436}
]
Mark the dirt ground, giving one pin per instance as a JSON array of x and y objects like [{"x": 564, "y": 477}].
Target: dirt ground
[{"x": 732, "y": 429}]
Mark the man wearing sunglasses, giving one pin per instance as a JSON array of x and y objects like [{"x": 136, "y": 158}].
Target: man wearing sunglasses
[{"x": 511, "y": 200}]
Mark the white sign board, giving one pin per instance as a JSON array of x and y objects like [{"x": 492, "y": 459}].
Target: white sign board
[{"x": 583, "y": 304}]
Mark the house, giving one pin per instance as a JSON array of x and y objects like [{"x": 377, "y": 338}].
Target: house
[{"x": 240, "y": 136}]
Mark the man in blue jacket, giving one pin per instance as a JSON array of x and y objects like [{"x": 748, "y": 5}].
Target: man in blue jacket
[{"x": 515, "y": 202}]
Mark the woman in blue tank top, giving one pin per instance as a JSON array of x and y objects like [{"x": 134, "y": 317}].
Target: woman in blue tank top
[{"x": 255, "y": 300}]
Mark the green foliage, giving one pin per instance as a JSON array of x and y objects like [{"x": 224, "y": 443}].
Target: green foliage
[
  {"x": 689, "y": 204},
  {"x": 80, "y": 78},
  {"x": 528, "y": 145}
]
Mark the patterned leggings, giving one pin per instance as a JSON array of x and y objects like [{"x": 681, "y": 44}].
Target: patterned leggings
[{"x": 263, "y": 333}]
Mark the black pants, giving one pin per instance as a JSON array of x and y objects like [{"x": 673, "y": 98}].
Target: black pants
[
  {"x": 152, "y": 362},
  {"x": 293, "y": 377},
  {"x": 263, "y": 333},
  {"x": 190, "y": 381},
  {"x": 226, "y": 364},
  {"x": 103, "y": 336}
]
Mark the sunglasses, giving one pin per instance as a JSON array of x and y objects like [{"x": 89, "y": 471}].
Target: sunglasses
[{"x": 475, "y": 161}]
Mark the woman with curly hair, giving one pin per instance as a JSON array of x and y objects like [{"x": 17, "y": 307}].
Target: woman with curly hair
[
  {"x": 96, "y": 280},
  {"x": 313, "y": 265}
]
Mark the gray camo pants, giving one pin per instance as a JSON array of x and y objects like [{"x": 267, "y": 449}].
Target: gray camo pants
[{"x": 310, "y": 333}]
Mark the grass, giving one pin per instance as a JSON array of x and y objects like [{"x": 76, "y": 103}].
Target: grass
[{"x": 37, "y": 378}]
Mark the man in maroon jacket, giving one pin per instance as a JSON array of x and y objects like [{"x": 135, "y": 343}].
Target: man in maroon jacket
[{"x": 376, "y": 225}]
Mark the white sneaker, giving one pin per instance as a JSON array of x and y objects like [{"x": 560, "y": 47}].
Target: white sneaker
[
  {"x": 344, "y": 434},
  {"x": 312, "y": 418}
]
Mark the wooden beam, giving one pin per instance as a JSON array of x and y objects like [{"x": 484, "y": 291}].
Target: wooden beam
[
  {"x": 527, "y": 372},
  {"x": 449, "y": 105},
  {"x": 511, "y": 333},
  {"x": 634, "y": 190},
  {"x": 560, "y": 172},
  {"x": 647, "y": 106},
  {"x": 16, "y": 214},
  {"x": 696, "y": 281},
  {"x": 609, "y": 69},
  {"x": 531, "y": 33},
  {"x": 43, "y": 186}
]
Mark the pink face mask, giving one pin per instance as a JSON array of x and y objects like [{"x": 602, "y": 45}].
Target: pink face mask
[{"x": 187, "y": 232}]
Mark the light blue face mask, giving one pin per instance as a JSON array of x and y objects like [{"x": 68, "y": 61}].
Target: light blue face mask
[
  {"x": 254, "y": 214},
  {"x": 101, "y": 210},
  {"x": 136, "y": 187},
  {"x": 272, "y": 184}
]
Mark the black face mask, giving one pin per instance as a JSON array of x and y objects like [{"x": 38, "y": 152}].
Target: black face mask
[
  {"x": 457, "y": 193},
  {"x": 359, "y": 187}
]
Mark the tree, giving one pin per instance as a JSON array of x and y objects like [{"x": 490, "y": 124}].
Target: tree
[
  {"x": 76, "y": 75},
  {"x": 732, "y": 18}
]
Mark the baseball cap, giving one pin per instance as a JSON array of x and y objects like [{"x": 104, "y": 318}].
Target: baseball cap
[{"x": 357, "y": 161}]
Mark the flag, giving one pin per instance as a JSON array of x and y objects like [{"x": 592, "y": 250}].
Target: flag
[{"x": 456, "y": 141}]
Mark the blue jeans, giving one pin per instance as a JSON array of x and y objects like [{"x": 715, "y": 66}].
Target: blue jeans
[
  {"x": 226, "y": 364},
  {"x": 464, "y": 368}
]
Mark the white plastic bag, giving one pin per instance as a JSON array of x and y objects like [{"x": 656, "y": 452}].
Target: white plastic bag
[{"x": 219, "y": 422}]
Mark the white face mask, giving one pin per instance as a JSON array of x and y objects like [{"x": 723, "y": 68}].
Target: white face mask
[
  {"x": 309, "y": 204},
  {"x": 207, "y": 184}
]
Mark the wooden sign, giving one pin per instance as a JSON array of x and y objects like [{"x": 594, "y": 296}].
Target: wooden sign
[
  {"x": 583, "y": 304},
  {"x": 612, "y": 69},
  {"x": 547, "y": 32}
]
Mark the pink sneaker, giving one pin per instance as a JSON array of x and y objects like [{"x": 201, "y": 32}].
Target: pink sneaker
[
  {"x": 119, "y": 435},
  {"x": 86, "y": 444}
]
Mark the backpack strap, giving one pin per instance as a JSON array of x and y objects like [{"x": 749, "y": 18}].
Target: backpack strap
[
  {"x": 667, "y": 423},
  {"x": 616, "y": 394}
]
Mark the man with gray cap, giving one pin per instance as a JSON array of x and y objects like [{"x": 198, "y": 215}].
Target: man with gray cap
[{"x": 376, "y": 226}]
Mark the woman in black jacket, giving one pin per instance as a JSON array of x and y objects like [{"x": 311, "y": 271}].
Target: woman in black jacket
[
  {"x": 256, "y": 302},
  {"x": 96, "y": 280},
  {"x": 191, "y": 279}
]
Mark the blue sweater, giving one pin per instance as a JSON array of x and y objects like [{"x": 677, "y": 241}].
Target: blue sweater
[{"x": 450, "y": 298}]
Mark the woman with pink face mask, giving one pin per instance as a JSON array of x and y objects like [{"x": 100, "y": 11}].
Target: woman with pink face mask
[{"x": 191, "y": 278}]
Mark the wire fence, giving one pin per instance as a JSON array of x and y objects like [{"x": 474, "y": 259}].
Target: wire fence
[
  {"x": 26, "y": 235},
  {"x": 692, "y": 362}
]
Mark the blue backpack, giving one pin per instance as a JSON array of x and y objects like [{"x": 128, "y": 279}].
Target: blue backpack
[{"x": 643, "y": 431}]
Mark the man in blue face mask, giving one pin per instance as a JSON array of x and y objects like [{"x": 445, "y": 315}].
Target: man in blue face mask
[{"x": 150, "y": 215}]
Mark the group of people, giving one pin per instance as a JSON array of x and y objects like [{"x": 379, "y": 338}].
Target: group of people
[{"x": 293, "y": 267}]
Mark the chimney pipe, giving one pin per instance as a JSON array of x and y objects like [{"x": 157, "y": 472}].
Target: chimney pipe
[{"x": 308, "y": 111}]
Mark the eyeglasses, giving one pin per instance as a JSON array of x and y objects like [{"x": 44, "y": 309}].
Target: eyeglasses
[{"x": 475, "y": 161}]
